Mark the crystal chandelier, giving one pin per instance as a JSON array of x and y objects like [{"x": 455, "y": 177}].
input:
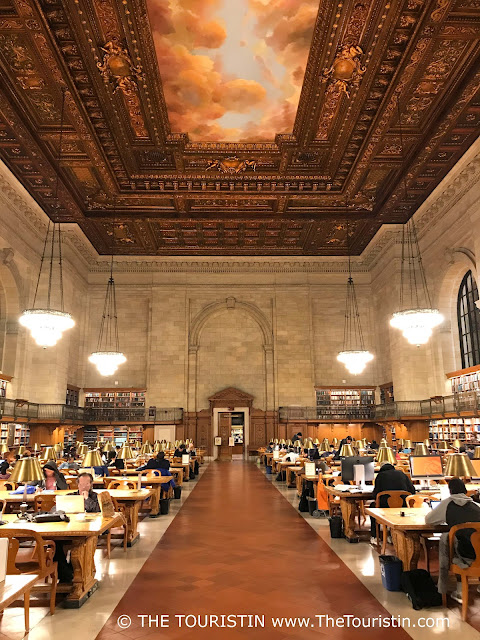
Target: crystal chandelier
[
  {"x": 416, "y": 318},
  {"x": 47, "y": 323},
  {"x": 108, "y": 357},
  {"x": 354, "y": 355}
]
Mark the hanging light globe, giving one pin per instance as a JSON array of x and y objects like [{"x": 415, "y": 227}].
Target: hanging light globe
[
  {"x": 107, "y": 362},
  {"x": 417, "y": 324},
  {"x": 46, "y": 325},
  {"x": 108, "y": 357},
  {"x": 355, "y": 361}
]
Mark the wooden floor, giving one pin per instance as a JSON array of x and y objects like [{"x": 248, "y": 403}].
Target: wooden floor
[{"x": 237, "y": 547}]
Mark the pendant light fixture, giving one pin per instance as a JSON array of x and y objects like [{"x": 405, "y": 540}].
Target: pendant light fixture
[
  {"x": 108, "y": 357},
  {"x": 47, "y": 322},
  {"x": 354, "y": 355},
  {"x": 416, "y": 317}
]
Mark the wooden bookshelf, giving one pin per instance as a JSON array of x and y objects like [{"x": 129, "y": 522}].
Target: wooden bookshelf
[
  {"x": 71, "y": 398},
  {"x": 465, "y": 379},
  {"x": 21, "y": 434},
  {"x": 386, "y": 393},
  {"x": 115, "y": 398},
  {"x": 464, "y": 429},
  {"x": 342, "y": 403}
]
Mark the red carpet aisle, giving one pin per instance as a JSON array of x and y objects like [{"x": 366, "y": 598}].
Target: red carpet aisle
[{"x": 237, "y": 547}]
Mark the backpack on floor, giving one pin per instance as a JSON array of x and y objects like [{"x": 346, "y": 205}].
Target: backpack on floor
[
  {"x": 307, "y": 492},
  {"x": 420, "y": 589},
  {"x": 281, "y": 476}
]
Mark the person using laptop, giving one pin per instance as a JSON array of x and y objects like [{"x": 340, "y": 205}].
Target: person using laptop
[
  {"x": 85, "y": 489},
  {"x": 291, "y": 456},
  {"x": 388, "y": 479}
]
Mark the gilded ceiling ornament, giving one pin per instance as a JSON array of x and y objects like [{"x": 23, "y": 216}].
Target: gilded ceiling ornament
[
  {"x": 117, "y": 66},
  {"x": 231, "y": 164},
  {"x": 346, "y": 68}
]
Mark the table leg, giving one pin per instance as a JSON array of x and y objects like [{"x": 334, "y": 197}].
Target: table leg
[
  {"x": 348, "y": 514},
  {"x": 407, "y": 547},
  {"x": 26, "y": 608},
  {"x": 131, "y": 509},
  {"x": 82, "y": 559},
  {"x": 155, "y": 500}
]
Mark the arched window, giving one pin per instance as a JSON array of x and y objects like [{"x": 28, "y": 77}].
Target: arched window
[{"x": 468, "y": 321}]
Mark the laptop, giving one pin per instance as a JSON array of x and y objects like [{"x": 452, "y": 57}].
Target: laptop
[{"x": 70, "y": 504}]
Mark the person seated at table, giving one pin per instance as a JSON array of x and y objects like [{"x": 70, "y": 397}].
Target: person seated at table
[
  {"x": 469, "y": 451},
  {"x": 322, "y": 466},
  {"x": 113, "y": 461},
  {"x": 70, "y": 464},
  {"x": 54, "y": 480},
  {"x": 291, "y": 456},
  {"x": 458, "y": 508},
  {"x": 327, "y": 454},
  {"x": 347, "y": 440},
  {"x": 270, "y": 447},
  {"x": 374, "y": 445},
  {"x": 85, "y": 489},
  {"x": 4, "y": 466},
  {"x": 388, "y": 479},
  {"x": 179, "y": 451},
  {"x": 159, "y": 462}
]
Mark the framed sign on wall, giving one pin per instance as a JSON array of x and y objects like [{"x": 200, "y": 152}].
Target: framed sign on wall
[{"x": 218, "y": 441}]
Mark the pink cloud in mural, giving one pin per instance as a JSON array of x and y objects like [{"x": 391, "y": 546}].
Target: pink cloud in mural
[{"x": 232, "y": 70}]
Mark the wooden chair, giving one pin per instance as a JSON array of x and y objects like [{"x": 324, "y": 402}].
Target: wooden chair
[
  {"x": 72, "y": 483},
  {"x": 151, "y": 473},
  {"x": 5, "y": 485},
  {"x": 40, "y": 560},
  {"x": 110, "y": 500},
  {"x": 44, "y": 502},
  {"x": 427, "y": 540},
  {"x": 121, "y": 484},
  {"x": 394, "y": 499},
  {"x": 473, "y": 571}
]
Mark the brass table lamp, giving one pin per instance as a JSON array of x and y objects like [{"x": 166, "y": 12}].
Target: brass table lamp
[
  {"x": 420, "y": 449},
  {"x": 476, "y": 454},
  {"x": 50, "y": 454},
  {"x": 92, "y": 459},
  {"x": 346, "y": 451},
  {"x": 385, "y": 454},
  {"x": 459, "y": 465},
  {"x": 26, "y": 470}
]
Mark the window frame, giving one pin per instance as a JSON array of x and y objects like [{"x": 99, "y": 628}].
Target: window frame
[{"x": 468, "y": 319}]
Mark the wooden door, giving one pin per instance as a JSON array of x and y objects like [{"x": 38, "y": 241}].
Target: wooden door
[{"x": 224, "y": 431}]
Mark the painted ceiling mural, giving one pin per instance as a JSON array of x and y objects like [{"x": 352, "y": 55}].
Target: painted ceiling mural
[{"x": 232, "y": 70}]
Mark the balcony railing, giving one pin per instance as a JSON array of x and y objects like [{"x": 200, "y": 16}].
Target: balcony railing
[
  {"x": 19, "y": 410},
  {"x": 136, "y": 414},
  {"x": 327, "y": 412},
  {"x": 438, "y": 407}
]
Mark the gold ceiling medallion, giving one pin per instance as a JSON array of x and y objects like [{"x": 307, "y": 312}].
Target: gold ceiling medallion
[
  {"x": 346, "y": 68},
  {"x": 231, "y": 164},
  {"x": 117, "y": 66}
]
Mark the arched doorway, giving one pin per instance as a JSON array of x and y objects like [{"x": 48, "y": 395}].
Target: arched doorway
[{"x": 230, "y": 410}]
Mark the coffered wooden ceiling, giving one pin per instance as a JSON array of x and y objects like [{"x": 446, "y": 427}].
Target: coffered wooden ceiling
[{"x": 237, "y": 127}]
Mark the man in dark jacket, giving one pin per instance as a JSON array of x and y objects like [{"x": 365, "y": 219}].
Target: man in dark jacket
[
  {"x": 180, "y": 451},
  {"x": 85, "y": 489},
  {"x": 347, "y": 440},
  {"x": 388, "y": 479},
  {"x": 156, "y": 463},
  {"x": 297, "y": 436}
]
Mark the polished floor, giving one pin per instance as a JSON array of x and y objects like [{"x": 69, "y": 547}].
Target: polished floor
[
  {"x": 238, "y": 548},
  {"x": 236, "y": 545}
]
